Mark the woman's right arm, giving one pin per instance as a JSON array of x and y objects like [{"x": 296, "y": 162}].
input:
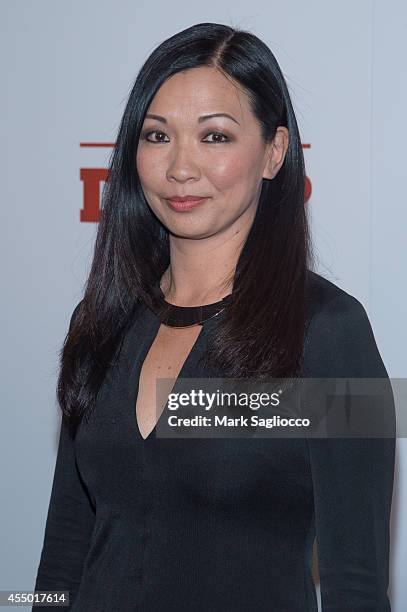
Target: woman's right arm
[{"x": 69, "y": 523}]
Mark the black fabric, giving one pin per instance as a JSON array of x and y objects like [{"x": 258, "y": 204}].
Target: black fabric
[{"x": 223, "y": 525}]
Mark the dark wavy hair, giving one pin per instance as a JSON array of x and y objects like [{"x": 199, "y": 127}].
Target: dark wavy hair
[{"x": 263, "y": 333}]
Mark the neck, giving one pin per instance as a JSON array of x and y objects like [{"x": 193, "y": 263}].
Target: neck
[{"x": 201, "y": 271}]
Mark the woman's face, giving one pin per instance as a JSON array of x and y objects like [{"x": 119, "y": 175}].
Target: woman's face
[{"x": 183, "y": 152}]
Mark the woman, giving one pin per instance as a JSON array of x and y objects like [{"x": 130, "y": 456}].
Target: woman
[{"x": 215, "y": 287}]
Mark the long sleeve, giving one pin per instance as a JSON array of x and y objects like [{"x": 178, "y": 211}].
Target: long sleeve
[
  {"x": 352, "y": 477},
  {"x": 69, "y": 524}
]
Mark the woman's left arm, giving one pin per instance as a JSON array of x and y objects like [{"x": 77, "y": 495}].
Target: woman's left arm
[{"x": 352, "y": 477}]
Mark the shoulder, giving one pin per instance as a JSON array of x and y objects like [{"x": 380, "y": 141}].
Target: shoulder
[
  {"x": 331, "y": 306},
  {"x": 326, "y": 299},
  {"x": 339, "y": 339}
]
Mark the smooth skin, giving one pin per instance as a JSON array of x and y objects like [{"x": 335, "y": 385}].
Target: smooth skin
[{"x": 220, "y": 158}]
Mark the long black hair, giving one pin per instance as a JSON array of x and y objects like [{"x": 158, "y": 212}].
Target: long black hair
[{"x": 264, "y": 330}]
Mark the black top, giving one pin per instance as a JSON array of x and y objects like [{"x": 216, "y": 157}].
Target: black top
[{"x": 223, "y": 525}]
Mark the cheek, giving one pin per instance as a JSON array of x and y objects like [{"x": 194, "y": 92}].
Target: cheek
[
  {"x": 147, "y": 169},
  {"x": 228, "y": 172},
  {"x": 235, "y": 174}
]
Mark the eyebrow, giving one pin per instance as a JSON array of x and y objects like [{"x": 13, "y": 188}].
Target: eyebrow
[{"x": 200, "y": 119}]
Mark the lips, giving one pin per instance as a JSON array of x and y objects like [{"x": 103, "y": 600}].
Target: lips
[
  {"x": 183, "y": 203},
  {"x": 188, "y": 198}
]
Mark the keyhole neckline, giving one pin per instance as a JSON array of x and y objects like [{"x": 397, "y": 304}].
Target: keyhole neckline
[{"x": 151, "y": 325}]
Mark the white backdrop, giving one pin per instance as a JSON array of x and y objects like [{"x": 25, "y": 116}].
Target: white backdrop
[{"x": 67, "y": 69}]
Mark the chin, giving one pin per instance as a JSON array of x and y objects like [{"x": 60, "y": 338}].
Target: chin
[{"x": 191, "y": 231}]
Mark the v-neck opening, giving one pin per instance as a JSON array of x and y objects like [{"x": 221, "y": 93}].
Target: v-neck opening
[{"x": 152, "y": 325}]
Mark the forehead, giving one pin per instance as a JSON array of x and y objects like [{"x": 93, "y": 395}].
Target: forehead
[{"x": 199, "y": 91}]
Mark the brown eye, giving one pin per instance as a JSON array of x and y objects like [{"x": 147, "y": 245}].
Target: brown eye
[
  {"x": 146, "y": 134},
  {"x": 218, "y": 136}
]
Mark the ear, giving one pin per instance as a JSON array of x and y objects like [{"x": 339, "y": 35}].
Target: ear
[{"x": 275, "y": 153}]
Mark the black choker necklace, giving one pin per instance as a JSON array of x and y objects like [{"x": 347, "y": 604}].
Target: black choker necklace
[{"x": 185, "y": 316}]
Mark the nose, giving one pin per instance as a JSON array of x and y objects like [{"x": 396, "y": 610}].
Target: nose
[{"x": 182, "y": 166}]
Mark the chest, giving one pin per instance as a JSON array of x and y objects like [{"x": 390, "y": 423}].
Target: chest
[
  {"x": 164, "y": 360},
  {"x": 118, "y": 466}
]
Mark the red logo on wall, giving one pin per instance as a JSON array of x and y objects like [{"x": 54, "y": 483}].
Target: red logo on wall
[{"x": 93, "y": 177}]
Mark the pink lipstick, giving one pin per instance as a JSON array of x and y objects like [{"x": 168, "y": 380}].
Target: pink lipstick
[{"x": 184, "y": 203}]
